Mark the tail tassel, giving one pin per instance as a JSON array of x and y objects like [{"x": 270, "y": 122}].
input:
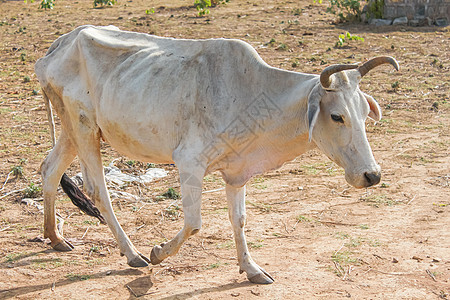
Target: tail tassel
[{"x": 79, "y": 199}]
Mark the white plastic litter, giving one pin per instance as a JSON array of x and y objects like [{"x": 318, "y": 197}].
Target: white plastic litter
[{"x": 114, "y": 176}]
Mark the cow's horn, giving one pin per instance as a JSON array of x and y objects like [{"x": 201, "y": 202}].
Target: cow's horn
[
  {"x": 330, "y": 70},
  {"x": 374, "y": 62}
]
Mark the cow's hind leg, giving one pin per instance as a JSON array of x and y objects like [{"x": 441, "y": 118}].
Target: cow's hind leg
[
  {"x": 236, "y": 211},
  {"x": 92, "y": 168},
  {"x": 51, "y": 170},
  {"x": 191, "y": 178}
]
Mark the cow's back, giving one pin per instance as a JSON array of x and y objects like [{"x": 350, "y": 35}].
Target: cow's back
[{"x": 154, "y": 91}]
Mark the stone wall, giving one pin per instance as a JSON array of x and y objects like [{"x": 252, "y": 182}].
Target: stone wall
[{"x": 416, "y": 9}]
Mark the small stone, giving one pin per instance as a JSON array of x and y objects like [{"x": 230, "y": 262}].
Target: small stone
[
  {"x": 108, "y": 272},
  {"x": 380, "y": 22},
  {"x": 400, "y": 21},
  {"x": 416, "y": 258},
  {"x": 394, "y": 260},
  {"x": 413, "y": 23},
  {"x": 441, "y": 22},
  {"x": 435, "y": 260},
  {"x": 235, "y": 294}
]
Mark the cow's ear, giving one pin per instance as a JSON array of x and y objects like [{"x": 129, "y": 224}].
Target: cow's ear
[
  {"x": 313, "y": 107},
  {"x": 375, "y": 109}
]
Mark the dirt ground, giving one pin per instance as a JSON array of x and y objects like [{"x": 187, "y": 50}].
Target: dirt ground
[{"x": 317, "y": 236}]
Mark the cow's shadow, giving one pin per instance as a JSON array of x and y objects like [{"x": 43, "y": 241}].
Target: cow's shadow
[
  {"x": 15, "y": 292},
  {"x": 199, "y": 292},
  {"x": 137, "y": 288}
]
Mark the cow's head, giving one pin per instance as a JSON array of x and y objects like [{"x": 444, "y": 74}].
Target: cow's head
[{"x": 337, "y": 111}]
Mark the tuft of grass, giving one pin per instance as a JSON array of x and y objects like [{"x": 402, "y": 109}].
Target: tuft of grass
[
  {"x": 301, "y": 218},
  {"x": 379, "y": 200},
  {"x": 17, "y": 171},
  {"x": 345, "y": 257},
  {"x": 77, "y": 277},
  {"x": 32, "y": 191},
  {"x": 46, "y": 263},
  {"x": 395, "y": 85},
  {"x": 254, "y": 245},
  {"x": 171, "y": 193},
  {"x": 12, "y": 257},
  {"x": 227, "y": 245},
  {"x": 213, "y": 266}
]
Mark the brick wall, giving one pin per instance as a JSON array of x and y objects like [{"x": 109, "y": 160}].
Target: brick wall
[{"x": 434, "y": 9}]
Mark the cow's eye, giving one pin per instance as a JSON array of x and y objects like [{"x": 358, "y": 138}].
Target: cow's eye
[{"x": 337, "y": 118}]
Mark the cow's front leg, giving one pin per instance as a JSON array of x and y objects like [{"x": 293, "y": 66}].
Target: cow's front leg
[
  {"x": 191, "y": 192},
  {"x": 236, "y": 211}
]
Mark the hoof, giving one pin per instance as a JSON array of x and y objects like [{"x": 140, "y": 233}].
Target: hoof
[
  {"x": 63, "y": 246},
  {"x": 262, "y": 278},
  {"x": 153, "y": 258},
  {"x": 138, "y": 262},
  {"x": 144, "y": 258}
]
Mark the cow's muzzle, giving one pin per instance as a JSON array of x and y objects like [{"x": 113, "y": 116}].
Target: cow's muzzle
[{"x": 372, "y": 178}]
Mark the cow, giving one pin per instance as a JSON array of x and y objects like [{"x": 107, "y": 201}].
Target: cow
[{"x": 204, "y": 105}]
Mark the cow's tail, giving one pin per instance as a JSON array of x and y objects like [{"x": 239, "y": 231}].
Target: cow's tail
[{"x": 77, "y": 197}]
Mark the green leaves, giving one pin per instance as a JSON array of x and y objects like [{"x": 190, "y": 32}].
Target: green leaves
[
  {"x": 104, "y": 3},
  {"x": 343, "y": 38},
  {"x": 47, "y": 4},
  {"x": 346, "y": 10},
  {"x": 202, "y": 6}
]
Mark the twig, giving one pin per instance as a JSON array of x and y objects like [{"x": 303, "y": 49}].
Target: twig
[
  {"x": 338, "y": 267},
  {"x": 295, "y": 225},
  {"x": 53, "y": 286},
  {"x": 145, "y": 203},
  {"x": 387, "y": 273},
  {"x": 412, "y": 199},
  {"x": 347, "y": 273},
  {"x": 131, "y": 290},
  {"x": 285, "y": 227},
  {"x": 137, "y": 228},
  {"x": 7, "y": 178},
  {"x": 3, "y": 229},
  {"x": 336, "y": 223},
  {"x": 215, "y": 190},
  {"x": 339, "y": 249},
  {"x": 82, "y": 237},
  {"x": 136, "y": 295},
  {"x": 431, "y": 275},
  {"x": 12, "y": 192}
]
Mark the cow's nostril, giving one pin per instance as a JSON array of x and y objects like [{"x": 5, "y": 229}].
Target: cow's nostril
[{"x": 372, "y": 178}]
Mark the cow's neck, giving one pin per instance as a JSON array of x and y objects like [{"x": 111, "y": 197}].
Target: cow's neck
[{"x": 278, "y": 131}]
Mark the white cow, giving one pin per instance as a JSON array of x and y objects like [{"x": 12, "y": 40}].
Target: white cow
[{"x": 205, "y": 105}]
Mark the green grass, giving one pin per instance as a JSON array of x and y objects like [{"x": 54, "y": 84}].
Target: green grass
[
  {"x": 77, "y": 277},
  {"x": 345, "y": 257},
  {"x": 254, "y": 245},
  {"x": 258, "y": 183},
  {"x": 13, "y": 257},
  {"x": 212, "y": 266},
  {"x": 226, "y": 245},
  {"x": 47, "y": 263},
  {"x": 301, "y": 218},
  {"x": 261, "y": 206},
  {"x": 380, "y": 200}
]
